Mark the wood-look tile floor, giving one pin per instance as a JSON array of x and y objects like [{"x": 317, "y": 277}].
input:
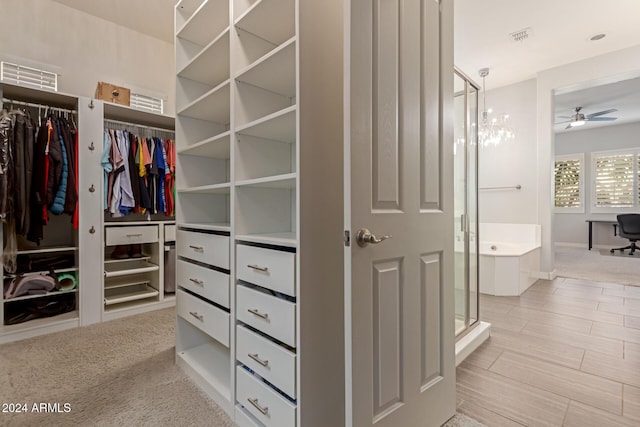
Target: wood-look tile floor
[{"x": 564, "y": 353}]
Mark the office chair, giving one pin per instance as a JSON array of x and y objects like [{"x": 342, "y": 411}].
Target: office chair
[{"x": 629, "y": 226}]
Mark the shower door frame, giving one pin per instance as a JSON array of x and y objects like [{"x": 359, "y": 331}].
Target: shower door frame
[{"x": 468, "y": 147}]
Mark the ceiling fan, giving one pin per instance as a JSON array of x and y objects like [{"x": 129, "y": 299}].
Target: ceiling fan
[{"x": 579, "y": 119}]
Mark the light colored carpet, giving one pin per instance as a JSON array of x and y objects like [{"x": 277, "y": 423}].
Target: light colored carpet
[
  {"x": 591, "y": 265},
  {"x": 118, "y": 373}
]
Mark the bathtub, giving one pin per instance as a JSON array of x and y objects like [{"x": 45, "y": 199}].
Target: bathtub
[{"x": 509, "y": 258}]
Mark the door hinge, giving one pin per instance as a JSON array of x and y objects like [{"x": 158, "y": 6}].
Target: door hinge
[{"x": 347, "y": 238}]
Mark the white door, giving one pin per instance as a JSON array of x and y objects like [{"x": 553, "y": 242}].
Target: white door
[{"x": 399, "y": 297}]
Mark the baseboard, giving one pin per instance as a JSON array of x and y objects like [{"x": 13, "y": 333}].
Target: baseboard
[
  {"x": 570, "y": 245},
  {"x": 471, "y": 341},
  {"x": 547, "y": 275}
]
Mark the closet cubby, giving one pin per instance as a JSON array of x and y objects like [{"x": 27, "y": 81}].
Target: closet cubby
[
  {"x": 204, "y": 356},
  {"x": 202, "y": 23},
  {"x": 270, "y": 20},
  {"x": 265, "y": 212},
  {"x": 212, "y": 106},
  {"x": 210, "y": 65},
  {"x": 206, "y": 211},
  {"x": 202, "y": 172}
]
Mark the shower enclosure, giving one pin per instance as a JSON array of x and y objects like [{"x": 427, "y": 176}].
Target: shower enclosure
[{"x": 466, "y": 202}]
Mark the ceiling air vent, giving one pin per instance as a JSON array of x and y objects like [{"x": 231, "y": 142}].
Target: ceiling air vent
[
  {"x": 27, "y": 76},
  {"x": 147, "y": 103},
  {"x": 521, "y": 35}
]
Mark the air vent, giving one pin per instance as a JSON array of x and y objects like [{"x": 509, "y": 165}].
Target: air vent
[
  {"x": 27, "y": 76},
  {"x": 521, "y": 35},
  {"x": 147, "y": 103}
]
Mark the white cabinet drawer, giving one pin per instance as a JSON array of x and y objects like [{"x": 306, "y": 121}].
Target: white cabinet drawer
[
  {"x": 243, "y": 419},
  {"x": 267, "y": 268},
  {"x": 210, "y": 284},
  {"x": 169, "y": 232},
  {"x": 271, "y": 361},
  {"x": 273, "y": 316},
  {"x": 210, "y": 319},
  {"x": 263, "y": 402},
  {"x": 129, "y": 235},
  {"x": 208, "y": 248}
]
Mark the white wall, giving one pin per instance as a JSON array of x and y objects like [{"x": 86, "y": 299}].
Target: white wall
[
  {"x": 621, "y": 64},
  {"x": 511, "y": 163},
  {"x": 85, "y": 49},
  {"x": 571, "y": 227}
]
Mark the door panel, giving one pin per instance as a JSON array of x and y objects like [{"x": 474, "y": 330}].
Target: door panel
[{"x": 400, "y": 349}]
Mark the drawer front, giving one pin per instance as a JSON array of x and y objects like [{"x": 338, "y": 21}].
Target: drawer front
[
  {"x": 210, "y": 284},
  {"x": 169, "y": 233},
  {"x": 271, "y": 315},
  {"x": 263, "y": 402},
  {"x": 267, "y": 359},
  {"x": 211, "y": 249},
  {"x": 268, "y": 268},
  {"x": 210, "y": 319},
  {"x": 129, "y": 235},
  {"x": 243, "y": 419}
]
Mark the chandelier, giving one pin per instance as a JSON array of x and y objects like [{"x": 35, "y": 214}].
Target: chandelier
[{"x": 493, "y": 130}]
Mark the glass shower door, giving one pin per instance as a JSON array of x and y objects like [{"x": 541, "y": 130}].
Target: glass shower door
[{"x": 465, "y": 202}]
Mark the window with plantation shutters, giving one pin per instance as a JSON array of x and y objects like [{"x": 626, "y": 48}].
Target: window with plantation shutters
[
  {"x": 569, "y": 183},
  {"x": 615, "y": 180}
]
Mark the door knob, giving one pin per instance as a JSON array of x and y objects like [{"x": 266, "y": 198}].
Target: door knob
[{"x": 364, "y": 237}]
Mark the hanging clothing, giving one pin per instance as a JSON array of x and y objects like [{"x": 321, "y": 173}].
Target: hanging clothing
[
  {"x": 58, "y": 205},
  {"x": 6, "y": 162},
  {"x": 107, "y": 167}
]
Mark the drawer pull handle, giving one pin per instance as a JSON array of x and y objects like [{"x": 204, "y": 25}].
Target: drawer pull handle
[
  {"x": 257, "y": 359},
  {"x": 257, "y": 313},
  {"x": 196, "y": 281},
  {"x": 197, "y": 315},
  {"x": 134, "y": 235},
  {"x": 257, "y": 267},
  {"x": 196, "y": 248},
  {"x": 263, "y": 409}
]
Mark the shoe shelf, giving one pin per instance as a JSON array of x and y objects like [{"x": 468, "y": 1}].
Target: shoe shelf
[
  {"x": 128, "y": 267},
  {"x": 47, "y": 250},
  {"x": 44, "y": 295},
  {"x": 128, "y": 292}
]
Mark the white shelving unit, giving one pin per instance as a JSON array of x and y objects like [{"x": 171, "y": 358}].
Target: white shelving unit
[{"x": 241, "y": 180}]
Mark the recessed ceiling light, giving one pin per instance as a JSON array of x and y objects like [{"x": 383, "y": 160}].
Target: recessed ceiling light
[{"x": 597, "y": 37}]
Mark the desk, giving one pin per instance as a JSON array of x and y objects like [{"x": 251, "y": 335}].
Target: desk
[{"x": 591, "y": 221}]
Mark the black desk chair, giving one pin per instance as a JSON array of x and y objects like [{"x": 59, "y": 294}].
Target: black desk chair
[{"x": 629, "y": 229}]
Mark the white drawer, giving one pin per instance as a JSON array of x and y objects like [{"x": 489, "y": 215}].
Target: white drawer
[
  {"x": 271, "y": 361},
  {"x": 243, "y": 419},
  {"x": 210, "y": 284},
  {"x": 268, "y": 268},
  {"x": 208, "y": 248},
  {"x": 170, "y": 233},
  {"x": 263, "y": 402},
  {"x": 271, "y": 315},
  {"x": 129, "y": 235},
  {"x": 210, "y": 319}
]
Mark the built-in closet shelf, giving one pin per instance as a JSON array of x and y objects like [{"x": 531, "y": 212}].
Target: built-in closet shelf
[
  {"x": 213, "y": 106},
  {"x": 129, "y": 223},
  {"x": 206, "y": 22},
  {"x": 287, "y": 239},
  {"x": 212, "y": 226},
  {"x": 132, "y": 115},
  {"x": 211, "y": 65},
  {"x": 279, "y": 126},
  {"x": 286, "y": 181},
  {"x": 70, "y": 318},
  {"x": 259, "y": 19},
  {"x": 109, "y": 260},
  {"x": 47, "y": 250},
  {"x": 31, "y": 273},
  {"x": 223, "y": 188},
  {"x": 216, "y": 147},
  {"x": 275, "y": 71},
  {"x": 123, "y": 282},
  {"x": 128, "y": 267},
  {"x": 206, "y": 361},
  {"x": 48, "y": 294},
  {"x": 133, "y": 292}
]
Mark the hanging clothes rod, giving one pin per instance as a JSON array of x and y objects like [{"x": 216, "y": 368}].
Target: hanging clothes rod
[
  {"x": 139, "y": 126},
  {"x": 43, "y": 106},
  {"x": 515, "y": 187}
]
